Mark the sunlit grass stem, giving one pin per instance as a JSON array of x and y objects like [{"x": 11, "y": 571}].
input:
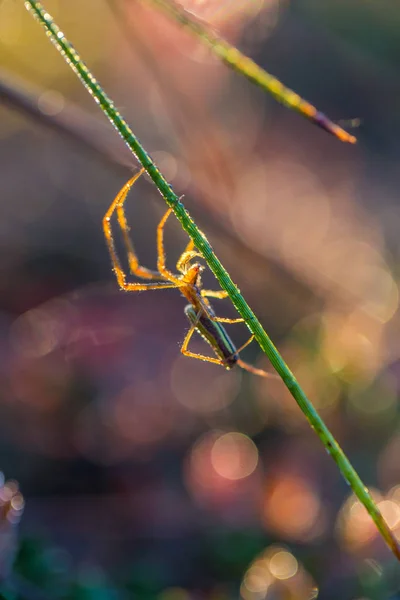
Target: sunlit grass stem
[
  {"x": 239, "y": 62},
  {"x": 204, "y": 247}
]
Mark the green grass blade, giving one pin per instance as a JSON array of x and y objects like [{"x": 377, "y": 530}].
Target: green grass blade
[
  {"x": 244, "y": 65},
  {"x": 202, "y": 244}
]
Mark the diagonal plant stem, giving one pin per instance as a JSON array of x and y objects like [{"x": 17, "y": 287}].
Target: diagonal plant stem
[
  {"x": 239, "y": 62},
  {"x": 202, "y": 244}
]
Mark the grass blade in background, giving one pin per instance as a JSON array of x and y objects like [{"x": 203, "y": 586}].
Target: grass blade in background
[{"x": 239, "y": 62}]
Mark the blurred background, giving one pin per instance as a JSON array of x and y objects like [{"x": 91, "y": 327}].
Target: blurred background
[{"x": 142, "y": 473}]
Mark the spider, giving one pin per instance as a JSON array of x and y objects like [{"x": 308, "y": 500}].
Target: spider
[{"x": 199, "y": 311}]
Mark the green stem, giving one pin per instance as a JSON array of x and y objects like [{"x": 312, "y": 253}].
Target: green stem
[
  {"x": 202, "y": 244},
  {"x": 244, "y": 65}
]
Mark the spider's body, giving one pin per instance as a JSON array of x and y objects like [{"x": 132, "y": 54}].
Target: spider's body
[
  {"x": 199, "y": 311},
  {"x": 191, "y": 290}
]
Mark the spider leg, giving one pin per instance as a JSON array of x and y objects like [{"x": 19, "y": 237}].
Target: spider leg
[
  {"x": 185, "y": 257},
  {"x": 189, "y": 247},
  {"x": 214, "y": 294},
  {"x": 181, "y": 260},
  {"x": 187, "y": 352},
  {"x": 217, "y": 294},
  {"x": 209, "y": 310},
  {"x": 245, "y": 344},
  {"x": 226, "y": 320},
  {"x": 250, "y": 368},
  {"x": 119, "y": 272},
  {"x": 134, "y": 266},
  {"x": 254, "y": 371},
  {"x": 161, "y": 252}
]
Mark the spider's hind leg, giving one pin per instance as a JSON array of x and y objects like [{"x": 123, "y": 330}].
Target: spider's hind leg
[
  {"x": 250, "y": 368},
  {"x": 186, "y": 352},
  {"x": 255, "y": 371}
]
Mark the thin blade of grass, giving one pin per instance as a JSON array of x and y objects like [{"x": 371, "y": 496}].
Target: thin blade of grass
[{"x": 239, "y": 62}]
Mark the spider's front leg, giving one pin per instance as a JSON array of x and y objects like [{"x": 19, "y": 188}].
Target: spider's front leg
[
  {"x": 133, "y": 261},
  {"x": 161, "y": 260},
  {"x": 117, "y": 205}
]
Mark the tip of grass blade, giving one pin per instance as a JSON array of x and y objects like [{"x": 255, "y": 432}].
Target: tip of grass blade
[{"x": 322, "y": 121}]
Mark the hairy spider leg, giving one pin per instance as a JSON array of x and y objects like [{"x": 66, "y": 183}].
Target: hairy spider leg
[
  {"x": 161, "y": 260},
  {"x": 251, "y": 338},
  {"x": 186, "y": 352},
  {"x": 250, "y": 368},
  {"x": 255, "y": 371},
  {"x": 220, "y": 294},
  {"x": 226, "y": 320},
  {"x": 119, "y": 272},
  {"x": 183, "y": 259},
  {"x": 210, "y": 313},
  {"x": 133, "y": 261}
]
